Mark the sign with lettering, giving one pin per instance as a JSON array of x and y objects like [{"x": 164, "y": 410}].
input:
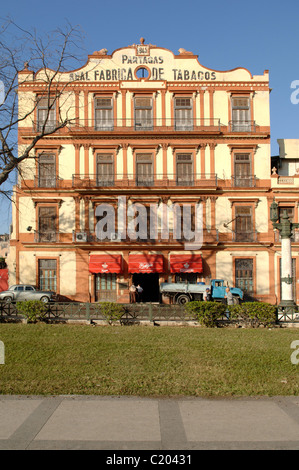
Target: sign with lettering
[{"x": 160, "y": 64}]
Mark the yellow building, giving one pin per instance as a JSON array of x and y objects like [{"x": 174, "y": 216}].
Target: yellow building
[{"x": 151, "y": 134}]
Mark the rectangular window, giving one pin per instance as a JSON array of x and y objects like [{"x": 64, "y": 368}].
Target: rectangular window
[
  {"x": 47, "y": 171},
  {"x": 143, "y": 107},
  {"x": 103, "y": 114},
  {"x": 105, "y": 287},
  {"x": 46, "y": 114},
  {"x": 47, "y": 274},
  {"x": 243, "y": 224},
  {"x": 183, "y": 114},
  {"x": 47, "y": 224},
  {"x": 242, "y": 170},
  {"x": 184, "y": 167},
  {"x": 144, "y": 170},
  {"x": 241, "y": 114},
  {"x": 244, "y": 275},
  {"x": 105, "y": 170}
]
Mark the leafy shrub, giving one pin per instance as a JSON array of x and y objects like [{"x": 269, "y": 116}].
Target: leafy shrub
[
  {"x": 254, "y": 314},
  {"x": 33, "y": 310},
  {"x": 206, "y": 313},
  {"x": 111, "y": 311}
]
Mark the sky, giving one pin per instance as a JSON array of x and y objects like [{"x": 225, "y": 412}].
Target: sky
[{"x": 258, "y": 35}]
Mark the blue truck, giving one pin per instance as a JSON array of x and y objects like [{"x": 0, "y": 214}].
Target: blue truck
[{"x": 181, "y": 292}]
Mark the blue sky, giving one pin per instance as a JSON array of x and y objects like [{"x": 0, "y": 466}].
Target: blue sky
[{"x": 257, "y": 35}]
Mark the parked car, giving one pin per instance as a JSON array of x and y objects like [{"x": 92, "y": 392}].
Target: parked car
[{"x": 26, "y": 292}]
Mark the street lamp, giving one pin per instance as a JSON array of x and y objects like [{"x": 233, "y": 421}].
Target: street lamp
[{"x": 285, "y": 228}]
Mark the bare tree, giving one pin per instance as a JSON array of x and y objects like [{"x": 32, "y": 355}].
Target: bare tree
[{"x": 43, "y": 58}]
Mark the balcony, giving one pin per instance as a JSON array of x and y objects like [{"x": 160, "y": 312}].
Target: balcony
[
  {"x": 244, "y": 237},
  {"x": 46, "y": 237},
  {"x": 40, "y": 126},
  {"x": 242, "y": 126},
  {"x": 149, "y": 125},
  {"x": 142, "y": 181},
  {"x": 210, "y": 236},
  {"x": 47, "y": 182},
  {"x": 243, "y": 181}
]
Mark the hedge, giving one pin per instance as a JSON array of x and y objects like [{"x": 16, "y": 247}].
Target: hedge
[{"x": 253, "y": 314}]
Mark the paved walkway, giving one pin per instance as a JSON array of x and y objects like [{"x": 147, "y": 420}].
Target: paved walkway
[{"x": 133, "y": 423}]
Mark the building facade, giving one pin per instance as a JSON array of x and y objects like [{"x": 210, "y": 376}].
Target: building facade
[{"x": 159, "y": 149}]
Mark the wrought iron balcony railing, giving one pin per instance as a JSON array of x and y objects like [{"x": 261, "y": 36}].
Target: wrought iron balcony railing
[
  {"x": 156, "y": 181},
  {"x": 47, "y": 182},
  {"x": 150, "y": 124},
  {"x": 244, "y": 181},
  {"x": 242, "y": 126},
  {"x": 46, "y": 237},
  {"x": 238, "y": 236},
  {"x": 50, "y": 125}
]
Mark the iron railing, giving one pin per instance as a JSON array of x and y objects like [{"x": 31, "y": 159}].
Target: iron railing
[
  {"x": 242, "y": 126},
  {"x": 46, "y": 237},
  {"x": 243, "y": 181},
  {"x": 238, "y": 236},
  {"x": 149, "y": 124},
  {"x": 47, "y": 182},
  {"x": 159, "y": 180},
  {"x": 133, "y": 313}
]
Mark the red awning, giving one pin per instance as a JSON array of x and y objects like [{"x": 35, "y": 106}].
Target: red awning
[
  {"x": 3, "y": 279},
  {"x": 186, "y": 264},
  {"x": 105, "y": 264},
  {"x": 146, "y": 264}
]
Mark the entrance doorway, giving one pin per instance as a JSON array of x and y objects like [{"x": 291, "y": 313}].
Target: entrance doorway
[{"x": 150, "y": 284}]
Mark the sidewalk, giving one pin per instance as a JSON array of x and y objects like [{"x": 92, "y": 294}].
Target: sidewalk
[{"x": 133, "y": 423}]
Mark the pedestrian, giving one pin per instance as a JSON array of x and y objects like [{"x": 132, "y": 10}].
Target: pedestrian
[
  {"x": 205, "y": 295},
  {"x": 139, "y": 290},
  {"x": 132, "y": 292},
  {"x": 209, "y": 296},
  {"x": 229, "y": 300},
  {"x": 229, "y": 297}
]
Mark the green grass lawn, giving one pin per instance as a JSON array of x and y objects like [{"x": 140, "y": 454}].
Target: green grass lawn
[{"x": 147, "y": 361}]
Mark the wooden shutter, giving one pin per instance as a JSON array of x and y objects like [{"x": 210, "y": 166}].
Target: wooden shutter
[
  {"x": 104, "y": 114},
  {"x": 183, "y": 114},
  {"x": 244, "y": 229},
  {"x": 105, "y": 170},
  {"x": 47, "y": 171},
  {"x": 47, "y": 223},
  {"x": 144, "y": 170},
  {"x": 143, "y": 113},
  {"x": 184, "y": 170},
  {"x": 242, "y": 170},
  {"x": 47, "y": 274}
]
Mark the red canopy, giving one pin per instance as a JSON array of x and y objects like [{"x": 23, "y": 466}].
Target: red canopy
[
  {"x": 186, "y": 264},
  {"x": 3, "y": 279},
  {"x": 105, "y": 264},
  {"x": 146, "y": 264}
]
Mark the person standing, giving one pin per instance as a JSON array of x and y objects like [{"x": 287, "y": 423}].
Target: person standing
[
  {"x": 229, "y": 297},
  {"x": 132, "y": 291},
  {"x": 139, "y": 293}
]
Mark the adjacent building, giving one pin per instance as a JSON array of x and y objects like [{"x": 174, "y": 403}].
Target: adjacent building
[{"x": 163, "y": 174}]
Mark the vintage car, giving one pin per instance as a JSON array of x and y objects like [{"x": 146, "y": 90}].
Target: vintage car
[{"x": 21, "y": 292}]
